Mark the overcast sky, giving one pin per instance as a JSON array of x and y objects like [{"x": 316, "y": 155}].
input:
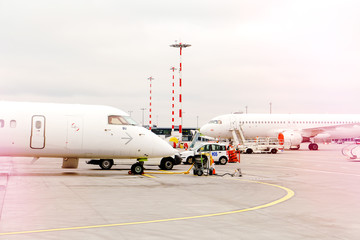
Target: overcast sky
[{"x": 303, "y": 56}]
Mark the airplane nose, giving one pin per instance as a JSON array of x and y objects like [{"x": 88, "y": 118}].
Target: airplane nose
[
  {"x": 162, "y": 148},
  {"x": 158, "y": 147},
  {"x": 205, "y": 130}
]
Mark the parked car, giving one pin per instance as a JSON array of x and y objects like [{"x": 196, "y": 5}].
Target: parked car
[{"x": 216, "y": 150}]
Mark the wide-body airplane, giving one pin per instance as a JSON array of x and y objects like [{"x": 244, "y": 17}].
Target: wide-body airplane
[
  {"x": 73, "y": 131},
  {"x": 290, "y": 129}
]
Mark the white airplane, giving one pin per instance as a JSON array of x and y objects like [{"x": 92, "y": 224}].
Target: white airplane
[
  {"x": 73, "y": 131},
  {"x": 290, "y": 129}
]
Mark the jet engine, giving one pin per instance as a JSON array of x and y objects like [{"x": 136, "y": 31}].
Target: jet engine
[{"x": 290, "y": 139}]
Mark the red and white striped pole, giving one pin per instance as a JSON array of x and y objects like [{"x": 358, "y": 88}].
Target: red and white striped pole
[
  {"x": 181, "y": 46},
  {"x": 173, "y": 99},
  {"x": 150, "y": 78}
]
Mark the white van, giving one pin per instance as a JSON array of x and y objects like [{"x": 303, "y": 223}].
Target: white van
[{"x": 217, "y": 151}]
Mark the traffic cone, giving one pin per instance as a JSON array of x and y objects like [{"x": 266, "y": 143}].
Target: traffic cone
[{"x": 212, "y": 167}]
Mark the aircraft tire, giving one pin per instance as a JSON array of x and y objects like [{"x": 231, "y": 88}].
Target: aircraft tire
[
  {"x": 106, "y": 164},
  {"x": 313, "y": 146},
  {"x": 167, "y": 163},
  {"x": 137, "y": 168}
]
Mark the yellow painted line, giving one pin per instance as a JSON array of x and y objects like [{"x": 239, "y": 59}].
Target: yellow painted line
[
  {"x": 289, "y": 194},
  {"x": 149, "y": 176}
]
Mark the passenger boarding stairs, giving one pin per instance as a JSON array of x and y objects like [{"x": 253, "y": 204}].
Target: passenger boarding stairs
[
  {"x": 237, "y": 133},
  {"x": 352, "y": 151}
]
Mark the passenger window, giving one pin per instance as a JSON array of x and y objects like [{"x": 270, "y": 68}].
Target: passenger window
[
  {"x": 2, "y": 123},
  {"x": 13, "y": 124},
  {"x": 215, "y": 147},
  {"x": 205, "y": 148},
  {"x": 208, "y": 148}
]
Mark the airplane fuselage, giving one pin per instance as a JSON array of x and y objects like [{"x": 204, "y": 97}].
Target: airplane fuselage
[
  {"x": 74, "y": 131},
  {"x": 270, "y": 125}
]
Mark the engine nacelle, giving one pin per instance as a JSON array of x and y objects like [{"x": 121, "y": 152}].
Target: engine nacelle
[{"x": 290, "y": 138}]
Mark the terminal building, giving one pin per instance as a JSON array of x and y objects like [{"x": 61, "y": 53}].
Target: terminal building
[{"x": 187, "y": 133}]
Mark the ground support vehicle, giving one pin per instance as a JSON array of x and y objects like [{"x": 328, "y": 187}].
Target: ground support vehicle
[
  {"x": 260, "y": 145},
  {"x": 216, "y": 150},
  {"x": 202, "y": 164}
]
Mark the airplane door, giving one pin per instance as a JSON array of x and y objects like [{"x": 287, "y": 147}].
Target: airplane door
[
  {"x": 74, "y": 139},
  {"x": 37, "y": 139}
]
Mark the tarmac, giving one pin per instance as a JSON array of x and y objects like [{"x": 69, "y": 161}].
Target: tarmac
[{"x": 290, "y": 195}]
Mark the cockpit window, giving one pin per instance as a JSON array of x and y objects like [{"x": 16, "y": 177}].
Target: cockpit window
[
  {"x": 130, "y": 120},
  {"x": 216, "y": 122},
  {"x": 121, "y": 120}
]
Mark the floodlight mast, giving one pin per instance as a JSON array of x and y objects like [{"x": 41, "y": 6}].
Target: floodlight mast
[
  {"x": 150, "y": 78},
  {"x": 181, "y": 46},
  {"x": 173, "y": 99}
]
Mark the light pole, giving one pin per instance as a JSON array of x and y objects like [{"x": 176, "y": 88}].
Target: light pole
[
  {"x": 150, "y": 78},
  {"x": 173, "y": 99},
  {"x": 130, "y": 112},
  {"x": 181, "y": 46}
]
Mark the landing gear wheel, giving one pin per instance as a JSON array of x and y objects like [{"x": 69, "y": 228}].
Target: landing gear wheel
[
  {"x": 106, "y": 164},
  {"x": 313, "y": 146},
  {"x": 137, "y": 168},
  {"x": 167, "y": 163},
  {"x": 223, "y": 160}
]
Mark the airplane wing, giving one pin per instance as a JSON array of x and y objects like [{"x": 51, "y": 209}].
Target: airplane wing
[{"x": 312, "y": 132}]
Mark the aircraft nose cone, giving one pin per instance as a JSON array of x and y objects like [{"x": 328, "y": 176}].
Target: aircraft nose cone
[
  {"x": 159, "y": 147},
  {"x": 150, "y": 145},
  {"x": 205, "y": 130},
  {"x": 162, "y": 148}
]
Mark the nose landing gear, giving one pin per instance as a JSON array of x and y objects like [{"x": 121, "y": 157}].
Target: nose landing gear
[{"x": 138, "y": 168}]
